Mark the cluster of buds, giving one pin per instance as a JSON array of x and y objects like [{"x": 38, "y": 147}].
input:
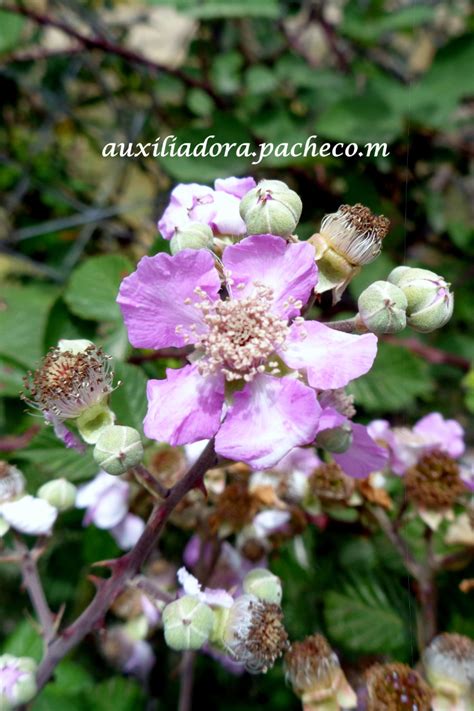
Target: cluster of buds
[
  {"x": 449, "y": 667},
  {"x": 248, "y": 628}
]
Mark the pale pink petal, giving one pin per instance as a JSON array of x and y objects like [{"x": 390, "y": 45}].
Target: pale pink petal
[
  {"x": 111, "y": 507},
  {"x": 300, "y": 459},
  {"x": 268, "y": 418},
  {"x": 183, "y": 199},
  {"x": 189, "y": 583},
  {"x": 151, "y": 612},
  {"x": 226, "y": 219},
  {"x": 331, "y": 358},
  {"x": 128, "y": 531},
  {"x": 330, "y": 418},
  {"x": 270, "y": 521},
  {"x": 29, "y": 515},
  {"x": 288, "y": 269},
  {"x": 216, "y": 597},
  {"x": 140, "y": 660},
  {"x": 88, "y": 494},
  {"x": 235, "y": 186},
  {"x": 153, "y": 298},
  {"x": 446, "y": 434},
  {"x": 364, "y": 456},
  {"x": 185, "y": 407}
]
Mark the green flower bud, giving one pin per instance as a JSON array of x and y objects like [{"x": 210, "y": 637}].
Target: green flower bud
[
  {"x": 271, "y": 208},
  {"x": 187, "y": 623},
  {"x": 118, "y": 448},
  {"x": 193, "y": 236},
  {"x": 429, "y": 301},
  {"x": 264, "y": 585},
  {"x": 335, "y": 439},
  {"x": 60, "y": 493},
  {"x": 17, "y": 681},
  {"x": 382, "y": 308}
]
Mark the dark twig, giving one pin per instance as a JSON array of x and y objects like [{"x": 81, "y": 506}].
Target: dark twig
[
  {"x": 147, "y": 479},
  {"x": 103, "y": 44},
  {"x": 34, "y": 587},
  {"x": 10, "y": 443},
  {"x": 187, "y": 677},
  {"x": 431, "y": 354},
  {"x": 124, "y": 568}
]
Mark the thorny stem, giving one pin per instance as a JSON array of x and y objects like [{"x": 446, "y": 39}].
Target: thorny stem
[
  {"x": 124, "y": 568},
  {"x": 34, "y": 587},
  {"x": 187, "y": 677},
  {"x": 348, "y": 325},
  {"x": 149, "y": 482}
]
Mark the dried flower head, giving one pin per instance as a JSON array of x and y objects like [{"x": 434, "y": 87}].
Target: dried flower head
[
  {"x": 254, "y": 633},
  {"x": 434, "y": 483},
  {"x": 313, "y": 670},
  {"x": 329, "y": 483},
  {"x": 12, "y": 482},
  {"x": 235, "y": 508},
  {"x": 355, "y": 233},
  {"x": 449, "y": 665},
  {"x": 396, "y": 687},
  {"x": 340, "y": 400},
  {"x": 69, "y": 382}
]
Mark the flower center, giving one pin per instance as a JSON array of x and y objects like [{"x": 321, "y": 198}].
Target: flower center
[{"x": 241, "y": 335}]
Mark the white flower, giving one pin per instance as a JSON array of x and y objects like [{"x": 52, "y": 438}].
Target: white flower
[{"x": 29, "y": 515}]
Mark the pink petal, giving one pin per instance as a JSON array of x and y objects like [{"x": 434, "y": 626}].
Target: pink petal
[
  {"x": 300, "y": 459},
  {"x": 364, "y": 456},
  {"x": 235, "y": 186},
  {"x": 128, "y": 531},
  {"x": 185, "y": 407},
  {"x": 112, "y": 506},
  {"x": 90, "y": 493},
  {"x": 330, "y": 418},
  {"x": 153, "y": 298},
  {"x": 268, "y": 418},
  {"x": 447, "y": 434},
  {"x": 289, "y": 269},
  {"x": 225, "y": 219},
  {"x": 331, "y": 358},
  {"x": 182, "y": 200}
]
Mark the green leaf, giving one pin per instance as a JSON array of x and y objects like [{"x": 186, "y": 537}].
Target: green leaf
[
  {"x": 23, "y": 316},
  {"x": 224, "y": 130},
  {"x": 117, "y": 694},
  {"x": 92, "y": 290},
  {"x": 396, "y": 379},
  {"x": 11, "y": 26},
  {"x": 362, "y": 28},
  {"x": 361, "y": 119},
  {"x": 217, "y": 9},
  {"x": 366, "y": 615},
  {"x": 24, "y": 642},
  {"x": 129, "y": 400},
  {"x": 52, "y": 459},
  {"x": 11, "y": 377}
]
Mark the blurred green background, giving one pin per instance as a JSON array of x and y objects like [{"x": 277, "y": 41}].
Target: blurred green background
[{"x": 75, "y": 75}]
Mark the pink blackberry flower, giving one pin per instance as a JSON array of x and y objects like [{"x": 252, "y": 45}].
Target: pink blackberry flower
[
  {"x": 218, "y": 208},
  {"x": 256, "y": 366}
]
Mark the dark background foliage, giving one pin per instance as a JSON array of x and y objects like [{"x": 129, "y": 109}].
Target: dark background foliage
[{"x": 73, "y": 223}]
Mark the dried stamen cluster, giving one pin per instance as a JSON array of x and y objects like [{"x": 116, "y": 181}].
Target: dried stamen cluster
[
  {"x": 68, "y": 383},
  {"x": 396, "y": 687},
  {"x": 355, "y": 232},
  {"x": 434, "y": 482},
  {"x": 329, "y": 482}
]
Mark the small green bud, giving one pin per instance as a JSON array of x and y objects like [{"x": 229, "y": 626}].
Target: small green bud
[
  {"x": 335, "y": 439},
  {"x": 271, "y": 208},
  {"x": 187, "y": 623},
  {"x": 118, "y": 448},
  {"x": 264, "y": 585},
  {"x": 60, "y": 493},
  {"x": 382, "y": 308},
  {"x": 429, "y": 301},
  {"x": 93, "y": 421},
  {"x": 17, "y": 681},
  {"x": 193, "y": 236}
]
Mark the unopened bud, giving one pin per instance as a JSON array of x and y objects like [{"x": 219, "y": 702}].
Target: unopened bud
[
  {"x": 335, "y": 439},
  {"x": 449, "y": 665},
  {"x": 17, "y": 681},
  {"x": 60, "y": 493},
  {"x": 264, "y": 585},
  {"x": 193, "y": 236},
  {"x": 271, "y": 208},
  {"x": 429, "y": 300},
  {"x": 118, "y": 448},
  {"x": 382, "y": 308},
  {"x": 187, "y": 623}
]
